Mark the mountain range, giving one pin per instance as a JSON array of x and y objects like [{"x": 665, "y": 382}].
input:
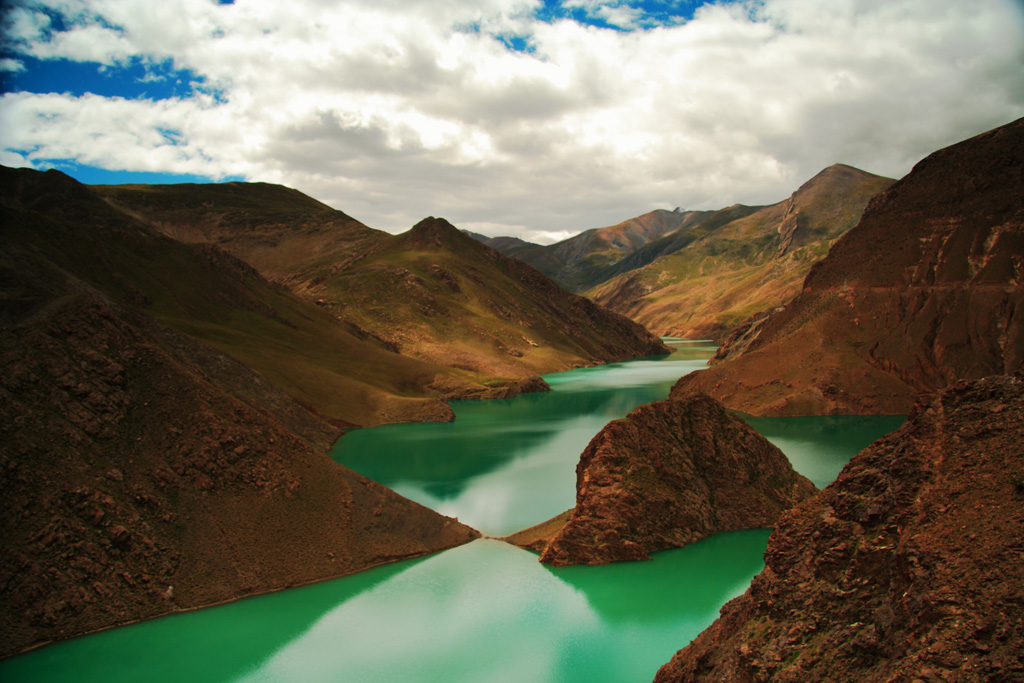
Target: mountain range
[{"x": 699, "y": 274}]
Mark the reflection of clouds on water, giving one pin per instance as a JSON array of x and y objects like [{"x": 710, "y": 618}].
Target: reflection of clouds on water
[
  {"x": 486, "y": 611},
  {"x": 636, "y": 374},
  {"x": 506, "y": 465},
  {"x": 490, "y": 612},
  {"x": 526, "y": 491}
]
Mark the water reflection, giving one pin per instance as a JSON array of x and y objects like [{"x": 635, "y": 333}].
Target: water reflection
[
  {"x": 491, "y": 612},
  {"x": 486, "y": 611},
  {"x": 819, "y": 447},
  {"x": 506, "y": 465},
  {"x": 213, "y": 644},
  {"x": 690, "y": 584}
]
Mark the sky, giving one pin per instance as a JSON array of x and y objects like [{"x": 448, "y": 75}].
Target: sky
[{"x": 532, "y": 118}]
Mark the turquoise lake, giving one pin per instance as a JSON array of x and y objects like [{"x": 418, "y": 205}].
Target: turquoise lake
[{"x": 486, "y": 611}]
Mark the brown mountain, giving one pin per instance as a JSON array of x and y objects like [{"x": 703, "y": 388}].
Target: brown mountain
[
  {"x": 143, "y": 471},
  {"x": 432, "y": 294},
  {"x": 594, "y": 255},
  {"x": 923, "y": 291},
  {"x": 741, "y": 261},
  {"x": 669, "y": 474},
  {"x": 338, "y": 370},
  {"x": 436, "y": 294},
  {"x": 906, "y": 568}
]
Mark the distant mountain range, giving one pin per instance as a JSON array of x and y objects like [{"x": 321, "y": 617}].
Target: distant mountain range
[{"x": 701, "y": 273}]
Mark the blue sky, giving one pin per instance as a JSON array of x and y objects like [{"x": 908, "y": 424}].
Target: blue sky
[{"x": 538, "y": 118}]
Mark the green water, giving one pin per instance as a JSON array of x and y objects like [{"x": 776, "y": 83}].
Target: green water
[
  {"x": 486, "y": 611},
  {"x": 506, "y": 465}
]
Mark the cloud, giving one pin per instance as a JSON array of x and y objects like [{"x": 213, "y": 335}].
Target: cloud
[{"x": 392, "y": 110}]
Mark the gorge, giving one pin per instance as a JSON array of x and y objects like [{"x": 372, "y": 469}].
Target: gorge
[
  {"x": 418, "y": 620},
  {"x": 167, "y": 408}
]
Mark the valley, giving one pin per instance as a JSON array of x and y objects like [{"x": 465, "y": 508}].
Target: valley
[{"x": 179, "y": 361}]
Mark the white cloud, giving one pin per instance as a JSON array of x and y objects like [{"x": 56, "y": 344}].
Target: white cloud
[
  {"x": 11, "y": 65},
  {"x": 395, "y": 110}
]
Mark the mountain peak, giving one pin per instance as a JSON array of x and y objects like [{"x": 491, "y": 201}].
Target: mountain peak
[{"x": 434, "y": 232}]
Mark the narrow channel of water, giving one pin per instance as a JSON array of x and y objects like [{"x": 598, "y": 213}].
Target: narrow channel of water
[{"x": 486, "y": 611}]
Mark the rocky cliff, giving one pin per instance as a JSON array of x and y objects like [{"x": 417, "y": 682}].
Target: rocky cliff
[
  {"x": 925, "y": 290},
  {"x": 907, "y": 568},
  {"x": 669, "y": 474}
]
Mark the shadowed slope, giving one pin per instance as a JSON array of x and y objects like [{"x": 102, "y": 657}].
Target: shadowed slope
[
  {"x": 339, "y": 370},
  {"x": 437, "y": 294},
  {"x": 447, "y": 301}
]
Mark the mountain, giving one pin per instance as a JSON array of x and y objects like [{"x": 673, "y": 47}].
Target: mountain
[
  {"x": 432, "y": 294},
  {"x": 924, "y": 291},
  {"x": 286, "y": 236},
  {"x": 667, "y": 475},
  {"x": 729, "y": 265},
  {"x": 593, "y": 255},
  {"x": 338, "y": 370},
  {"x": 439, "y": 295},
  {"x": 906, "y": 568},
  {"x": 144, "y": 470}
]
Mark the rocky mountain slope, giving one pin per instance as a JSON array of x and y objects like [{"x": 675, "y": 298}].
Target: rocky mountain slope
[
  {"x": 286, "y": 236},
  {"x": 730, "y": 265},
  {"x": 669, "y": 474},
  {"x": 339, "y": 371},
  {"x": 431, "y": 294},
  {"x": 144, "y": 472},
  {"x": 436, "y": 294},
  {"x": 165, "y": 409},
  {"x": 906, "y": 568},
  {"x": 925, "y": 290}
]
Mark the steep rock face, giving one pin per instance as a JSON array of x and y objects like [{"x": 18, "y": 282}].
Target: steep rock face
[
  {"x": 925, "y": 290},
  {"x": 906, "y": 568},
  {"x": 136, "y": 483},
  {"x": 669, "y": 474}
]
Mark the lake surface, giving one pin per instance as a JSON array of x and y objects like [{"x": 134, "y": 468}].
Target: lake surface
[{"x": 485, "y": 611}]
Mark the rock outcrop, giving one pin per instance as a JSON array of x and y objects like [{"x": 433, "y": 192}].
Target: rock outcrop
[
  {"x": 907, "y": 568},
  {"x": 924, "y": 291},
  {"x": 669, "y": 474}
]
